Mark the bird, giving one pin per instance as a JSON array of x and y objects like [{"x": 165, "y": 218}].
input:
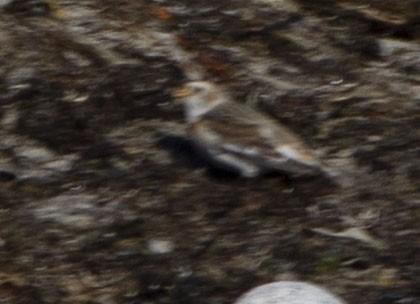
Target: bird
[{"x": 236, "y": 137}]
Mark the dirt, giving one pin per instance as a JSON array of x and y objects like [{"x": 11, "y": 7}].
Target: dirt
[{"x": 104, "y": 199}]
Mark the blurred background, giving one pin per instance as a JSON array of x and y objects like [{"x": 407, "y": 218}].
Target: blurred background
[{"x": 103, "y": 199}]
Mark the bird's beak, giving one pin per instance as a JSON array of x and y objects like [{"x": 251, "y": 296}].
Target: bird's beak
[{"x": 180, "y": 92}]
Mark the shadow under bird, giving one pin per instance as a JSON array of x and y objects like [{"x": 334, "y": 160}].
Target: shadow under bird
[{"x": 236, "y": 137}]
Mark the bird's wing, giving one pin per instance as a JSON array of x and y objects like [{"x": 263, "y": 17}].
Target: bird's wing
[
  {"x": 239, "y": 129},
  {"x": 235, "y": 128},
  {"x": 237, "y": 113}
]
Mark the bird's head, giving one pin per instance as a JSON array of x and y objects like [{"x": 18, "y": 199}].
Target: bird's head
[{"x": 199, "y": 97}]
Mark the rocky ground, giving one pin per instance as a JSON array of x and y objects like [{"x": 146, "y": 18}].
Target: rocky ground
[{"x": 103, "y": 200}]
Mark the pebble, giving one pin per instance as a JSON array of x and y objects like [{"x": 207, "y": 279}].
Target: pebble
[
  {"x": 289, "y": 292},
  {"x": 160, "y": 246}
]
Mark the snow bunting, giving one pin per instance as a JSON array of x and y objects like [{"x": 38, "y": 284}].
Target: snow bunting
[{"x": 235, "y": 136}]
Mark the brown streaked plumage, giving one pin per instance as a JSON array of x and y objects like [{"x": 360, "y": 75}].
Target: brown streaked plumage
[{"x": 238, "y": 137}]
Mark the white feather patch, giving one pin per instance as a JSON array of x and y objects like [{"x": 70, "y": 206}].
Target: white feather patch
[
  {"x": 288, "y": 152},
  {"x": 294, "y": 154},
  {"x": 241, "y": 150}
]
